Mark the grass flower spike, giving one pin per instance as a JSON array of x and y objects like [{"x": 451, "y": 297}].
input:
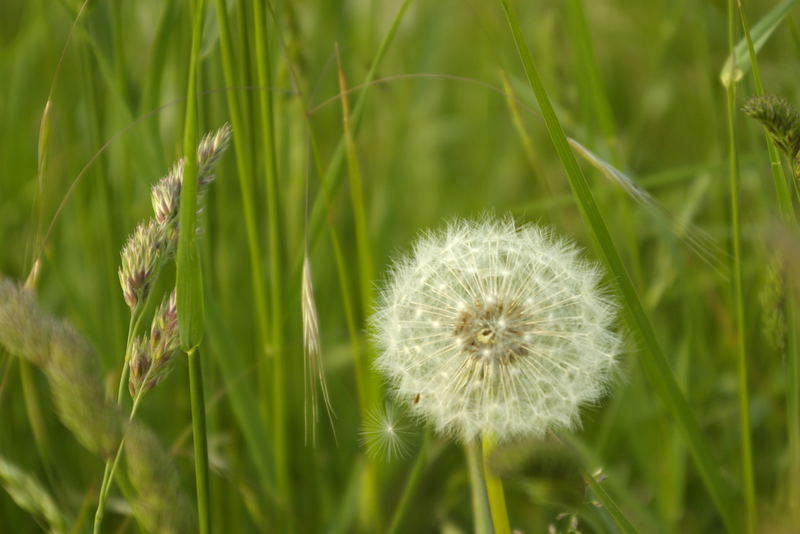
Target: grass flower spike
[
  {"x": 140, "y": 260},
  {"x": 490, "y": 328}
]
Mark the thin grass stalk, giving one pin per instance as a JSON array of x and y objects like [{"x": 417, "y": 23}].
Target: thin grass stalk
[
  {"x": 365, "y": 270},
  {"x": 109, "y": 468},
  {"x": 588, "y": 63},
  {"x": 332, "y": 178},
  {"x": 243, "y": 157},
  {"x": 748, "y": 483},
  {"x": 480, "y": 505},
  {"x": 789, "y": 216},
  {"x": 412, "y": 484},
  {"x": 113, "y": 463},
  {"x": 654, "y": 363},
  {"x": 608, "y": 503},
  {"x": 155, "y": 74},
  {"x": 264, "y": 76},
  {"x": 793, "y": 403},
  {"x": 371, "y": 514},
  {"x": 196, "y": 392},
  {"x": 494, "y": 489},
  {"x": 189, "y": 284},
  {"x": 605, "y": 118},
  {"x": 525, "y": 138}
]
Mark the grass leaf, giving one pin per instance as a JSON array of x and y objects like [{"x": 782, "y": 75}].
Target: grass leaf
[{"x": 732, "y": 71}]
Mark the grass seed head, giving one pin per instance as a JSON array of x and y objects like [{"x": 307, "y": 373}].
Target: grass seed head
[
  {"x": 140, "y": 259},
  {"x": 166, "y": 195},
  {"x": 141, "y": 361},
  {"x": 781, "y": 119},
  {"x": 68, "y": 362},
  {"x": 152, "y": 358},
  {"x": 492, "y": 328},
  {"x": 211, "y": 147}
]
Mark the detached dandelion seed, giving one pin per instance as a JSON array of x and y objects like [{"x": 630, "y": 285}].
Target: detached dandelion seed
[
  {"x": 385, "y": 433},
  {"x": 493, "y": 329}
]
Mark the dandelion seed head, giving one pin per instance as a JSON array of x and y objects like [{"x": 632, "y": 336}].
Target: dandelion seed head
[{"x": 496, "y": 328}]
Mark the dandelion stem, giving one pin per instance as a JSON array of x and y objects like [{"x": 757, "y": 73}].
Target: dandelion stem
[
  {"x": 480, "y": 505},
  {"x": 494, "y": 490},
  {"x": 199, "y": 437},
  {"x": 414, "y": 478}
]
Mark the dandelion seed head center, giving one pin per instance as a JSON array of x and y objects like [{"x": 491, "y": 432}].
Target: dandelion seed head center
[{"x": 492, "y": 331}]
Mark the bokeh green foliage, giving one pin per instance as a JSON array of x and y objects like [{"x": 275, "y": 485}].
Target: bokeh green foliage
[{"x": 430, "y": 146}]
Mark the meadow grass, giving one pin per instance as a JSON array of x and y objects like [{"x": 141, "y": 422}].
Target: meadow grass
[{"x": 356, "y": 125}]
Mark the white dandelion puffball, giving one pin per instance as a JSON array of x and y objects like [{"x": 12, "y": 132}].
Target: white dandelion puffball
[{"x": 490, "y": 328}]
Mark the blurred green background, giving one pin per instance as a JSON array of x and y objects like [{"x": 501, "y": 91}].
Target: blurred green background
[{"x": 635, "y": 82}]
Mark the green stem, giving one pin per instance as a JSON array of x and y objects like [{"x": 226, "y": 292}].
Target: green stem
[
  {"x": 199, "y": 437},
  {"x": 494, "y": 490},
  {"x": 609, "y": 504},
  {"x": 133, "y": 326},
  {"x": 787, "y": 215},
  {"x": 793, "y": 406},
  {"x": 748, "y": 484},
  {"x": 241, "y": 149},
  {"x": 480, "y": 504},
  {"x": 414, "y": 478},
  {"x": 277, "y": 302},
  {"x": 108, "y": 470},
  {"x": 332, "y": 178},
  {"x": 111, "y": 465}
]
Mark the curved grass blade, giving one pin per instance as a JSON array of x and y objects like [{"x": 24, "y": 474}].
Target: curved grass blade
[{"x": 732, "y": 71}]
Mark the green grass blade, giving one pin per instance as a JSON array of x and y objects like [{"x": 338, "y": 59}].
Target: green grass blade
[
  {"x": 274, "y": 226},
  {"x": 736, "y": 64},
  {"x": 609, "y": 504},
  {"x": 332, "y": 177},
  {"x": 788, "y": 215},
  {"x": 200, "y": 442},
  {"x": 748, "y": 482},
  {"x": 244, "y": 157},
  {"x": 242, "y": 397},
  {"x": 653, "y": 361},
  {"x": 412, "y": 484},
  {"x": 189, "y": 283}
]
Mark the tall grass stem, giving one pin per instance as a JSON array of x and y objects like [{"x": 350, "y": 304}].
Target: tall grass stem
[
  {"x": 748, "y": 483},
  {"x": 277, "y": 302},
  {"x": 196, "y": 392}
]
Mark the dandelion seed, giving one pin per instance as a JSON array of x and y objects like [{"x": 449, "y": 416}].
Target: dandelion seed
[
  {"x": 496, "y": 329},
  {"x": 385, "y": 433}
]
